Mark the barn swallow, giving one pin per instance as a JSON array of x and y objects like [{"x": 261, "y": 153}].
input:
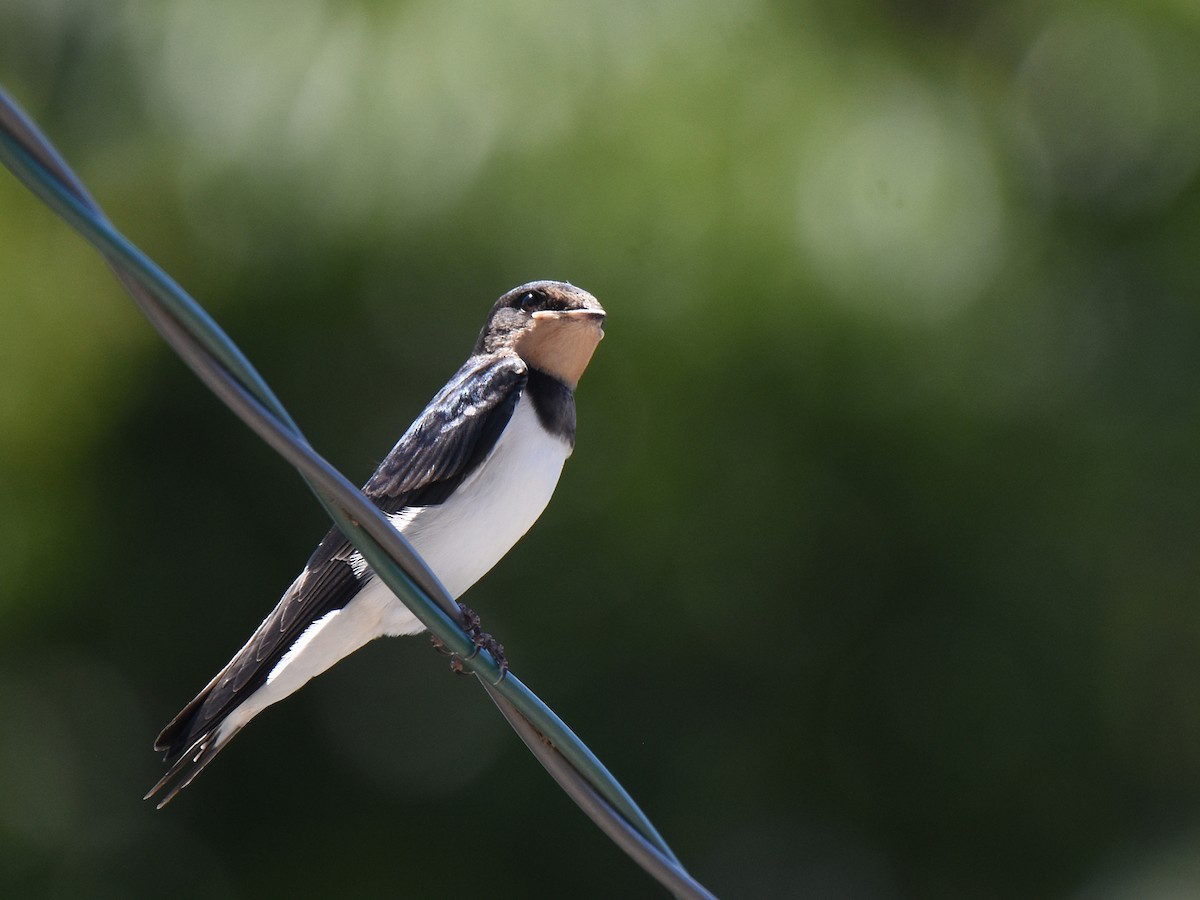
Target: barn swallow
[{"x": 464, "y": 483}]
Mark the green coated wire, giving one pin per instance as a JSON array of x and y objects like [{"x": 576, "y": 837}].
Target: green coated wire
[
  {"x": 100, "y": 233},
  {"x": 200, "y": 341}
]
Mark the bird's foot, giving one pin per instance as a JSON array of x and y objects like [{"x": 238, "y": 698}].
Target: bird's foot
[
  {"x": 480, "y": 638},
  {"x": 456, "y": 663}
]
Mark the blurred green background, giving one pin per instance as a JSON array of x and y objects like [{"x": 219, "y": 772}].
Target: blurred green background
[{"x": 874, "y": 572}]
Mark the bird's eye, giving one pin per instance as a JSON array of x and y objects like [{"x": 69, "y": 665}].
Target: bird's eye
[{"x": 528, "y": 300}]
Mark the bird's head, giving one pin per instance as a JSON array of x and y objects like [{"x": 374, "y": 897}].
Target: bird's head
[{"x": 553, "y": 326}]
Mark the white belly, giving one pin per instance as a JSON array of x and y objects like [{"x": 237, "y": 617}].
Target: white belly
[
  {"x": 465, "y": 536},
  {"x": 461, "y": 539}
]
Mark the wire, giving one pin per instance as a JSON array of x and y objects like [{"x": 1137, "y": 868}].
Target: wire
[{"x": 217, "y": 361}]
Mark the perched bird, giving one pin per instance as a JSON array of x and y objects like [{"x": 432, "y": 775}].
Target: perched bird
[{"x": 464, "y": 483}]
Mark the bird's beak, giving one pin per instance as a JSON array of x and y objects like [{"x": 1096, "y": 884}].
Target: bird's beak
[{"x": 589, "y": 316}]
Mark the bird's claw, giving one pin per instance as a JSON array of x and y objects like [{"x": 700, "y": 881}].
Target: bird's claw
[
  {"x": 483, "y": 640},
  {"x": 480, "y": 638}
]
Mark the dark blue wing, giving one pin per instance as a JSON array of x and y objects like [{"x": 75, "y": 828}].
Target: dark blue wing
[{"x": 449, "y": 440}]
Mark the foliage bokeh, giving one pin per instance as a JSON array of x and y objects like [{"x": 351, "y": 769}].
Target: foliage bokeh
[{"x": 874, "y": 572}]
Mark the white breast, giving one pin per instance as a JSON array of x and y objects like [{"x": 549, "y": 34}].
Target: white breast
[
  {"x": 461, "y": 539},
  {"x": 464, "y": 537}
]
